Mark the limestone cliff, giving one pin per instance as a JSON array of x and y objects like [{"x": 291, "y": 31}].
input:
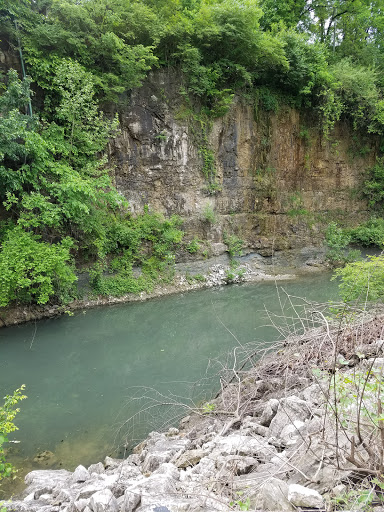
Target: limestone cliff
[{"x": 281, "y": 180}]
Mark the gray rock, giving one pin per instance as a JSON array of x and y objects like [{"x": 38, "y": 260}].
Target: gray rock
[
  {"x": 271, "y": 495},
  {"x": 168, "y": 469},
  {"x": 269, "y": 412},
  {"x": 81, "y": 504},
  {"x": 340, "y": 489},
  {"x": 45, "y": 482},
  {"x": 111, "y": 463},
  {"x": 292, "y": 433},
  {"x": 96, "y": 468},
  {"x": 96, "y": 485},
  {"x": 64, "y": 496},
  {"x": 249, "y": 426},
  {"x": 190, "y": 458},
  {"x": 161, "y": 449},
  {"x": 313, "y": 394},
  {"x": 132, "y": 499},
  {"x": 80, "y": 474},
  {"x": 235, "y": 464},
  {"x": 290, "y": 409},
  {"x": 104, "y": 501},
  {"x": 255, "y": 446},
  {"x": 301, "y": 496}
]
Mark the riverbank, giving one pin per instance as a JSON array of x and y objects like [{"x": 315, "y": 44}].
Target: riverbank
[
  {"x": 192, "y": 275},
  {"x": 277, "y": 437}
]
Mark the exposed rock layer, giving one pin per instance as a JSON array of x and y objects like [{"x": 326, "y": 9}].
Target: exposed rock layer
[{"x": 281, "y": 180}]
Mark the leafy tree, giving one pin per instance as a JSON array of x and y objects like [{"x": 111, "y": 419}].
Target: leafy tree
[{"x": 112, "y": 43}]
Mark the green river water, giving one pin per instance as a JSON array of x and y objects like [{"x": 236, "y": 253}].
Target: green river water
[{"x": 80, "y": 371}]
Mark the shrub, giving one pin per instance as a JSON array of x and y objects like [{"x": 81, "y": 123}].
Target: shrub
[
  {"x": 34, "y": 271},
  {"x": 373, "y": 188},
  {"x": 337, "y": 240},
  {"x": 209, "y": 214},
  {"x": 193, "y": 246},
  {"x": 369, "y": 233},
  {"x": 234, "y": 244},
  {"x": 362, "y": 280}
]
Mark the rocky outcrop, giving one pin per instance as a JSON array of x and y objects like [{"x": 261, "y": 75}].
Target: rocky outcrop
[{"x": 280, "y": 181}]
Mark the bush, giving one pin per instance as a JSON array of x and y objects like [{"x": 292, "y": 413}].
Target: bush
[
  {"x": 362, "y": 280},
  {"x": 337, "y": 240},
  {"x": 369, "y": 233},
  {"x": 209, "y": 214},
  {"x": 234, "y": 244},
  {"x": 34, "y": 271}
]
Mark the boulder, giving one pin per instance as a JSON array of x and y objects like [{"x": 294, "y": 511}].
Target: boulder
[
  {"x": 132, "y": 499},
  {"x": 313, "y": 394},
  {"x": 80, "y": 474},
  {"x": 292, "y": 433},
  {"x": 269, "y": 412},
  {"x": 235, "y": 464},
  {"x": 190, "y": 458},
  {"x": 80, "y": 505},
  {"x": 45, "y": 482},
  {"x": 97, "y": 484},
  {"x": 96, "y": 468},
  {"x": 271, "y": 495},
  {"x": 104, "y": 501},
  {"x": 161, "y": 449},
  {"x": 290, "y": 409},
  {"x": 255, "y": 446},
  {"x": 301, "y": 496}
]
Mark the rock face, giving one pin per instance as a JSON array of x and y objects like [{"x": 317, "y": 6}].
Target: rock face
[{"x": 275, "y": 170}]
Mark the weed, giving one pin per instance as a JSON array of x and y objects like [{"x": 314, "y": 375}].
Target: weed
[
  {"x": 194, "y": 245},
  {"x": 234, "y": 244},
  {"x": 208, "y": 214},
  {"x": 162, "y": 137}
]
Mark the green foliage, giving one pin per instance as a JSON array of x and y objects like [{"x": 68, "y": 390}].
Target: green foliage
[
  {"x": 208, "y": 214},
  {"x": 8, "y": 413},
  {"x": 373, "y": 188},
  {"x": 362, "y": 280},
  {"x": 34, "y": 271},
  {"x": 357, "y": 93},
  {"x": 113, "y": 44},
  {"x": 193, "y": 246},
  {"x": 337, "y": 240},
  {"x": 55, "y": 185},
  {"x": 241, "y": 503},
  {"x": 369, "y": 233},
  {"x": 208, "y": 408},
  {"x": 199, "y": 278},
  {"x": 147, "y": 240},
  {"x": 234, "y": 244}
]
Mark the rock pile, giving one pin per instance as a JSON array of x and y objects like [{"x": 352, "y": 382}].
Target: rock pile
[{"x": 264, "y": 460}]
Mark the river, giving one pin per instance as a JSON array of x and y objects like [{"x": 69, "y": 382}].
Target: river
[{"x": 82, "y": 371}]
